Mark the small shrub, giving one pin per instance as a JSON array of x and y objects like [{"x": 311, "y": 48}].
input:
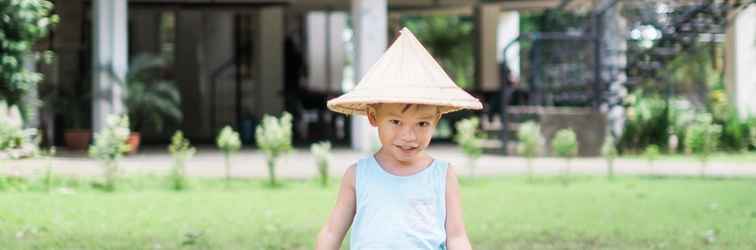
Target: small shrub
[
  {"x": 229, "y": 142},
  {"x": 15, "y": 141},
  {"x": 273, "y": 137},
  {"x": 322, "y": 153},
  {"x": 565, "y": 145},
  {"x": 651, "y": 154},
  {"x": 181, "y": 151},
  {"x": 702, "y": 139},
  {"x": 470, "y": 139},
  {"x": 530, "y": 143},
  {"x": 110, "y": 146}
]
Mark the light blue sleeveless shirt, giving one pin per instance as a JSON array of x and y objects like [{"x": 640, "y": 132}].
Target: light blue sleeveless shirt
[{"x": 399, "y": 212}]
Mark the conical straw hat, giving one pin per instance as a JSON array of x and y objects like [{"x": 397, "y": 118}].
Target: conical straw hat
[{"x": 405, "y": 73}]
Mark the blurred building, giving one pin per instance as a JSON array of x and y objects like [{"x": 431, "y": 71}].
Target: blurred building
[{"x": 236, "y": 60}]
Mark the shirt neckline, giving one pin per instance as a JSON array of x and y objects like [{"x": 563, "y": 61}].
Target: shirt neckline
[{"x": 382, "y": 170}]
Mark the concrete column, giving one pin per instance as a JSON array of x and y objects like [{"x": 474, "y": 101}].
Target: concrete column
[
  {"x": 507, "y": 31},
  {"x": 270, "y": 52},
  {"x": 316, "y": 54},
  {"x": 740, "y": 61},
  {"x": 614, "y": 61},
  {"x": 109, "y": 59},
  {"x": 370, "y": 22},
  {"x": 486, "y": 67},
  {"x": 325, "y": 50},
  {"x": 188, "y": 55}
]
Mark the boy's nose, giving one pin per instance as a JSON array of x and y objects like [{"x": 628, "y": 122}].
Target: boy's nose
[{"x": 407, "y": 134}]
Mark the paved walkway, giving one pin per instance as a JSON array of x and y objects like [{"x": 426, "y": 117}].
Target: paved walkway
[{"x": 300, "y": 164}]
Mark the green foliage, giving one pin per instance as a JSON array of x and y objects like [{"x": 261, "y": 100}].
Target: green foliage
[
  {"x": 22, "y": 23},
  {"x": 228, "y": 140},
  {"x": 681, "y": 115},
  {"x": 470, "y": 139},
  {"x": 110, "y": 146},
  {"x": 735, "y": 131},
  {"x": 450, "y": 41},
  {"x": 150, "y": 101},
  {"x": 181, "y": 150},
  {"x": 273, "y": 135},
  {"x": 322, "y": 153},
  {"x": 651, "y": 153},
  {"x": 530, "y": 139},
  {"x": 274, "y": 138},
  {"x": 530, "y": 143},
  {"x": 15, "y": 141},
  {"x": 565, "y": 143},
  {"x": 647, "y": 122},
  {"x": 703, "y": 137},
  {"x": 694, "y": 70},
  {"x": 110, "y": 143},
  {"x": 752, "y": 131}
]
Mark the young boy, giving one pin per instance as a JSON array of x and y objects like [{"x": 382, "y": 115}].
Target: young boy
[{"x": 400, "y": 197}]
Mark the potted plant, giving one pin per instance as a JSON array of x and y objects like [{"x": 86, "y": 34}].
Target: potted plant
[
  {"x": 73, "y": 106},
  {"x": 150, "y": 101}
]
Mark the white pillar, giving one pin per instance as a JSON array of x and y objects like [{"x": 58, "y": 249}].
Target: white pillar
[
  {"x": 370, "y": 23},
  {"x": 506, "y": 33},
  {"x": 316, "y": 54},
  {"x": 740, "y": 71},
  {"x": 337, "y": 23},
  {"x": 325, "y": 50},
  {"x": 109, "y": 58},
  {"x": 487, "y": 69}
]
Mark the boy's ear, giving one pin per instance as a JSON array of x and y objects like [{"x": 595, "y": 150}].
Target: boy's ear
[{"x": 371, "y": 116}]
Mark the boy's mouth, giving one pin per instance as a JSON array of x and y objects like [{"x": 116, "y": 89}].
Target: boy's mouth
[{"x": 406, "y": 148}]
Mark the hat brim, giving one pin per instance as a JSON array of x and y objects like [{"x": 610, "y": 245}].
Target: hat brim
[{"x": 448, "y": 99}]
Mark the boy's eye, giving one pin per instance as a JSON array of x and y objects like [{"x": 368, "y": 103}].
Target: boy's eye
[
  {"x": 424, "y": 124},
  {"x": 394, "y": 122}
]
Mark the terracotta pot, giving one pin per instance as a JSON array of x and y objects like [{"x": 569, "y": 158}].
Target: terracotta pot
[
  {"x": 133, "y": 141},
  {"x": 77, "y": 139}
]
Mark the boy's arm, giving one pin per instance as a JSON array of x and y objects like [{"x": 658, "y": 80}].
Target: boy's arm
[
  {"x": 456, "y": 237},
  {"x": 338, "y": 223}
]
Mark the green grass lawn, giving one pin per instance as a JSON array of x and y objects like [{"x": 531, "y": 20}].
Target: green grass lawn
[
  {"x": 500, "y": 213},
  {"x": 744, "y": 157}
]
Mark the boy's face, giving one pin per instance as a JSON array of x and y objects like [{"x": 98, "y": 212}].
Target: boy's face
[{"x": 405, "y": 130}]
